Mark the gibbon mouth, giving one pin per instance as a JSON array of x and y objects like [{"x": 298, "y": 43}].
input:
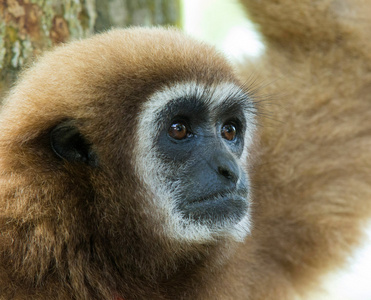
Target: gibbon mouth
[
  {"x": 216, "y": 208},
  {"x": 218, "y": 197}
]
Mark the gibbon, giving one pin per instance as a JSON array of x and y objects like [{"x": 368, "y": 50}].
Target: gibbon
[{"x": 139, "y": 164}]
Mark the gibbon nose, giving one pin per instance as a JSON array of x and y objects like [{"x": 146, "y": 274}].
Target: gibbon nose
[{"x": 227, "y": 167}]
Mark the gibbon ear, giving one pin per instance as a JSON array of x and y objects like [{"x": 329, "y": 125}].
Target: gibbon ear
[{"x": 69, "y": 144}]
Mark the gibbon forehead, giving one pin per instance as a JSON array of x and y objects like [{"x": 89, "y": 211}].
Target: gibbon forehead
[
  {"x": 122, "y": 63},
  {"x": 158, "y": 110}
]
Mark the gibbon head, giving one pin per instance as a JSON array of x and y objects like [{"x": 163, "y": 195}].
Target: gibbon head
[{"x": 129, "y": 145}]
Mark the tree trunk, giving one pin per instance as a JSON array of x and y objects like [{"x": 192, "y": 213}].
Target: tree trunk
[
  {"x": 27, "y": 27},
  {"x": 122, "y": 13}
]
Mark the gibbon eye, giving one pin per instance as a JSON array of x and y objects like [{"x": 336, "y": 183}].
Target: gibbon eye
[
  {"x": 179, "y": 131},
  {"x": 229, "y": 131}
]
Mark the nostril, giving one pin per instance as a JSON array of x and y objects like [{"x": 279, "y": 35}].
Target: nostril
[
  {"x": 227, "y": 174},
  {"x": 224, "y": 172}
]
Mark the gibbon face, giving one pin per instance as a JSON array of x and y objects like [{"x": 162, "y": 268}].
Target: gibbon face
[
  {"x": 193, "y": 141},
  {"x": 131, "y": 138}
]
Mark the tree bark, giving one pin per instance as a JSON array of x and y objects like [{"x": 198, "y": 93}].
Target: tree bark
[
  {"x": 28, "y": 27},
  {"x": 122, "y": 13}
]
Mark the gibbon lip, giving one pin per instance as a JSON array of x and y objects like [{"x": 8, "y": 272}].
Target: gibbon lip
[
  {"x": 217, "y": 207},
  {"x": 220, "y": 197}
]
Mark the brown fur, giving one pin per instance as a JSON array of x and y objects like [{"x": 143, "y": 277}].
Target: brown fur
[
  {"x": 66, "y": 231},
  {"x": 312, "y": 181}
]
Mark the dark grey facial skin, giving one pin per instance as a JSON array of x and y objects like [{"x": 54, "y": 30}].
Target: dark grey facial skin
[{"x": 211, "y": 185}]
